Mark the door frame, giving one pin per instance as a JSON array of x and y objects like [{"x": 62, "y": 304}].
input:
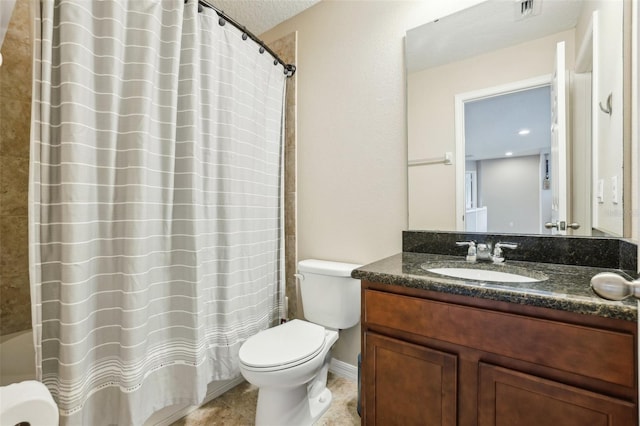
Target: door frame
[{"x": 460, "y": 99}]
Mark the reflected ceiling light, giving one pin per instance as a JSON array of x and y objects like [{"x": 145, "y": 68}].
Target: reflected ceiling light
[
  {"x": 508, "y": 153},
  {"x": 524, "y": 132}
]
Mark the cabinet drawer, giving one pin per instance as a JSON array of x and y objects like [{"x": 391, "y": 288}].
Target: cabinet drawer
[{"x": 591, "y": 352}]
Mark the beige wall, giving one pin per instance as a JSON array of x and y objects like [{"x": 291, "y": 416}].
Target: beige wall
[
  {"x": 352, "y": 196},
  {"x": 510, "y": 189},
  {"x": 15, "y": 113},
  {"x": 431, "y": 121}
]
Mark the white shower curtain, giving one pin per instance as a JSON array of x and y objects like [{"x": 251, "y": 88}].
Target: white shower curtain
[{"x": 155, "y": 203}]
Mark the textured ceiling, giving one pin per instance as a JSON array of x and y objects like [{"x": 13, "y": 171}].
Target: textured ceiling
[{"x": 259, "y": 16}]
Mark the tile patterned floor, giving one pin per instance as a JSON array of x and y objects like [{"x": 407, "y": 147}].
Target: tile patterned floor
[{"x": 237, "y": 407}]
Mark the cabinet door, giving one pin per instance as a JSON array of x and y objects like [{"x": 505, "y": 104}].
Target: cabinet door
[
  {"x": 508, "y": 397},
  {"x": 407, "y": 384}
]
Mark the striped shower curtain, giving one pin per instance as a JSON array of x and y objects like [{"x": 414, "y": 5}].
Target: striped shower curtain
[{"x": 155, "y": 203}]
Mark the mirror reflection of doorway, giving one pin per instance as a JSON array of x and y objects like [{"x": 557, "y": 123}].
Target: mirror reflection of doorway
[{"x": 507, "y": 139}]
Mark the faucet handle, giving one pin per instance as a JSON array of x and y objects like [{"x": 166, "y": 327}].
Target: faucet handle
[
  {"x": 497, "y": 251},
  {"x": 471, "y": 252},
  {"x": 466, "y": 243},
  {"x": 506, "y": 245}
]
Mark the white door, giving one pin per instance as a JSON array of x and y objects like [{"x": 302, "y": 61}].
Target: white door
[{"x": 559, "y": 144}]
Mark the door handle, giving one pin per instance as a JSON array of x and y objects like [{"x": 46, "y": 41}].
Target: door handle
[{"x": 561, "y": 225}]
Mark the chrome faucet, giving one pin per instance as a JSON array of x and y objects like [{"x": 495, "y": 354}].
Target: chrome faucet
[{"x": 482, "y": 251}]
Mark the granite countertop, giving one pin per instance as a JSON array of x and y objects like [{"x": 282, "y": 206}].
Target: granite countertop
[{"x": 566, "y": 288}]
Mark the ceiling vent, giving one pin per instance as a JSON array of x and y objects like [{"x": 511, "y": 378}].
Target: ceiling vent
[{"x": 527, "y": 8}]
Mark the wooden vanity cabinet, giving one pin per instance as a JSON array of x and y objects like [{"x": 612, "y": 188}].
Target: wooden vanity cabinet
[{"x": 432, "y": 358}]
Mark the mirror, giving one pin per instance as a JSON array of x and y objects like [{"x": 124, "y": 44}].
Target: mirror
[{"x": 477, "y": 79}]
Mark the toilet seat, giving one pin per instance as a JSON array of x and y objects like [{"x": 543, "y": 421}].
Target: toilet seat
[{"x": 282, "y": 347}]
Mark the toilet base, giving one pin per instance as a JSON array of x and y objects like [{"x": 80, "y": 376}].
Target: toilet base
[
  {"x": 293, "y": 407},
  {"x": 296, "y": 396}
]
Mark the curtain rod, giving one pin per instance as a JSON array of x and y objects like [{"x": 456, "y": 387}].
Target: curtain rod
[{"x": 289, "y": 69}]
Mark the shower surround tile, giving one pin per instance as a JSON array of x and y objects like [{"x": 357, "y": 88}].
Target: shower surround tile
[
  {"x": 15, "y": 118},
  {"x": 16, "y": 302},
  {"x": 286, "y": 49},
  {"x": 291, "y": 288},
  {"x": 15, "y": 111},
  {"x": 15, "y": 71},
  {"x": 20, "y": 27},
  {"x": 14, "y": 181},
  {"x": 14, "y": 259}
]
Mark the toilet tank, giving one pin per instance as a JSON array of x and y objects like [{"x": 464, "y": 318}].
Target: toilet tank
[{"x": 330, "y": 297}]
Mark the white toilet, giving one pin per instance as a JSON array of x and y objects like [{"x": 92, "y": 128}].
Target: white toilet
[{"x": 289, "y": 363}]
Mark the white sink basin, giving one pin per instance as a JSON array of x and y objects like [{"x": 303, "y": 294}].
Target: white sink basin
[{"x": 483, "y": 275}]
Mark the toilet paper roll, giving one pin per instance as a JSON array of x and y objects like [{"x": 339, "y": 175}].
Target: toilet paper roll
[{"x": 28, "y": 401}]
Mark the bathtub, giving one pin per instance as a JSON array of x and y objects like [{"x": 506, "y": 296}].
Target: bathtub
[{"x": 17, "y": 357}]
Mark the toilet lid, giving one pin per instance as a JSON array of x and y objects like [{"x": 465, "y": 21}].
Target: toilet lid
[{"x": 285, "y": 344}]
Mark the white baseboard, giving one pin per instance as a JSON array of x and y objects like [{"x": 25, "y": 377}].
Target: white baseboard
[
  {"x": 215, "y": 390},
  {"x": 343, "y": 369}
]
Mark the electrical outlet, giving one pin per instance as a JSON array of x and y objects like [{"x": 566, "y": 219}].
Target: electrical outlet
[{"x": 614, "y": 189}]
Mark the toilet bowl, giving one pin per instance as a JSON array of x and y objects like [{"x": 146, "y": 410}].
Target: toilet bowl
[
  {"x": 27, "y": 402},
  {"x": 289, "y": 363},
  {"x": 291, "y": 391}
]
